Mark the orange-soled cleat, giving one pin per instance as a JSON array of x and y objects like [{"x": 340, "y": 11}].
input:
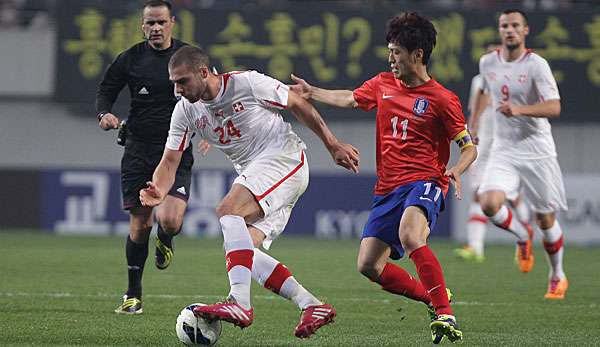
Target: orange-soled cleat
[{"x": 557, "y": 289}]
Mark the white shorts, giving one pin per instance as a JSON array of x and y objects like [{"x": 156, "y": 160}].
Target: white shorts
[
  {"x": 277, "y": 181},
  {"x": 540, "y": 179}
]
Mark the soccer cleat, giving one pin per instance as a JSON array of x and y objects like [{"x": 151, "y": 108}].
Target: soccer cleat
[
  {"x": 524, "y": 255},
  {"x": 468, "y": 254},
  {"x": 131, "y": 306},
  {"x": 445, "y": 325},
  {"x": 557, "y": 289},
  {"x": 229, "y": 311},
  {"x": 313, "y": 318},
  {"x": 163, "y": 255},
  {"x": 431, "y": 309}
]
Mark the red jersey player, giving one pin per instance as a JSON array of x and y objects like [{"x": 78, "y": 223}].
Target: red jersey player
[{"x": 416, "y": 119}]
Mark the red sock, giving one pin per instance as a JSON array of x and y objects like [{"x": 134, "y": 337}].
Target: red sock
[
  {"x": 432, "y": 278},
  {"x": 396, "y": 280},
  {"x": 553, "y": 247},
  {"x": 277, "y": 278}
]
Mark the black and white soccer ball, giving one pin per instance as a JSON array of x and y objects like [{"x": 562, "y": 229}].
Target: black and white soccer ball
[{"x": 194, "y": 331}]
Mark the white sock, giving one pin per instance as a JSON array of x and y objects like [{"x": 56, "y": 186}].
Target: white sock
[
  {"x": 476, "y": 227},
  {"x": 236, "y": 238},
  {"x": 294, "y": 291},
  {"x": 504, "y": 219},
  {"x": 263, "y": 268},
  {"x": 522, "y": 211},
  {"x": 555, "y": 260}
]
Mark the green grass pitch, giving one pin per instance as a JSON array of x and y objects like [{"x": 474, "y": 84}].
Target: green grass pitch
[{"x": 61, "y": 290}]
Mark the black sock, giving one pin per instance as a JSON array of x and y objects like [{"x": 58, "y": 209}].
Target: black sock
[
  {"x": 136, "y": 258},
  {"x": 165, "y": 237}
]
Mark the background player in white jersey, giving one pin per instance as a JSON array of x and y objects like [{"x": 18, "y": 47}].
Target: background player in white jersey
[
  {"x": 238, "y": 113},
  {"x": 524, "y": 95},
  {"x": 477, "y": 221}
]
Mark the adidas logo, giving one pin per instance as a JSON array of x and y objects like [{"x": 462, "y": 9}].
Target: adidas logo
[
  {"x": 181, "y": 190},
  {"x": 235, "y": 312},
  {"x": 143, "y": 91},
  {"x": 320, "y": 313}
]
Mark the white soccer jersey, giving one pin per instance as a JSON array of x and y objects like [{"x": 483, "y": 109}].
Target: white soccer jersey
[
  {"x": 243, "y": 120},
  {"x": 525, "y": 81}
]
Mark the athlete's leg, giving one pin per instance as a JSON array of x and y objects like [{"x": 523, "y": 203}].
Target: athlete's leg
[
  {"x": 276, "y": 277},
  {"x": 136, "y": 252},
  {"x": 238, "y": 208},
  {"x": 169, "y": 215},
  {"x": 140, "y": 223},
  {"x": 553, "y": 244},
  {"x": 476, "y": 229},
  {"x": 414, "y": 231},
  {"x": 373, "y": 263}
]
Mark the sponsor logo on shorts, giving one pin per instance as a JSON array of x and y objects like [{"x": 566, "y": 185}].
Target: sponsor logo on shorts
[{"x": 181, "y": 190}]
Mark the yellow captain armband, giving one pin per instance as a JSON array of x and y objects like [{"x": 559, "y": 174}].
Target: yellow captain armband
[{"x": 463, "y": 139}]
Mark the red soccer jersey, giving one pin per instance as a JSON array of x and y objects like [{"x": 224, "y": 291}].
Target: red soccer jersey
[{"x": 414, "y": 130}]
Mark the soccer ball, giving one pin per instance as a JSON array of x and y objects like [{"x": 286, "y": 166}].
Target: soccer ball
[{"x": 194, "y": 331}]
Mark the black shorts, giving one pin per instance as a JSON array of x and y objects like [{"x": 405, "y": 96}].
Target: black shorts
[{"x": 137, "y": 167}]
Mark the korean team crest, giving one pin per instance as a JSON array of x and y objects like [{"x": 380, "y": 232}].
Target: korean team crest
[
  {"x": 238, "y": 107},
  {"x": 420, "y": 105}
]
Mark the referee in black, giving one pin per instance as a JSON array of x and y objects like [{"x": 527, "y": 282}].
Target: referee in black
[{"x": 143, "y": 68}]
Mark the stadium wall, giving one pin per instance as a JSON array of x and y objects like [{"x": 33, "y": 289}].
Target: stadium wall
[
  {"x": 52, "y": 141},
  {"x": 44, "y": 147}
]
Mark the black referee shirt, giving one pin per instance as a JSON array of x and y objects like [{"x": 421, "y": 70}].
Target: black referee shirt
[{"x": 145, "y": 71}]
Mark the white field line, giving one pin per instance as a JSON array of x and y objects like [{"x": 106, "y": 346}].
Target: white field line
[{"x": 256, "y": 297}]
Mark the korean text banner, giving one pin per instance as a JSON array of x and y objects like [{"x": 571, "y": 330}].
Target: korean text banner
[{"x": 327, "y": 45}]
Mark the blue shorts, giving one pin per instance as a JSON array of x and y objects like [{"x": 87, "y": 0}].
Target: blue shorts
[{"x": 387, "y": 210}]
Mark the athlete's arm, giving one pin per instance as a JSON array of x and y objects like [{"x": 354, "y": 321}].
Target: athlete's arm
[
  {"x": 343, "y": 154},
  {"x": 544, "y": 109},
  {"x": 113, "y": 81},
  {"x": 337, "y": 98},
  {"x": 162, "y": 179},
  {"x": 479, "y": 104},
  {"x": 468, "y": 154}
]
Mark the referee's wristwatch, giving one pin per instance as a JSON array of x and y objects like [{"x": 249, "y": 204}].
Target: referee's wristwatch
[{"x": 102, "y": 114}]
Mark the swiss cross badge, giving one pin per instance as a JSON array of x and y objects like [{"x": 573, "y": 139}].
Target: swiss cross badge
[{"x": 238, "y": 107}]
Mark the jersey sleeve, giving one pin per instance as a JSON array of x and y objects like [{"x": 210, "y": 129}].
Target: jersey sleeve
[
  {"x": 114, "y": 80},
  {"x": 476, "y": 87},
  {"x": 454, "y": 119},
  {"x": 484, "y": 83},
  {"x": 269, "y": 91},
  {"x": 544, "y": 81},
  {"x": 366, "y": 95},
  {"x": 180, "y": 129}
]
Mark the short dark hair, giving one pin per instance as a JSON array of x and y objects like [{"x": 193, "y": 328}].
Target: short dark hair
[
  {"x": 190, "y": 56},
  {"x": 159, "y": 3},
  {"x": 516, "y": 10},
  {"x": 412, "y": 31}
]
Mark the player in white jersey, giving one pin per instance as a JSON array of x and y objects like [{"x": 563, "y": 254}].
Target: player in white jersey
[
  {"x": 238, "y": 113},
  {"x": 477, "y": 221},
  {"x": 524, "y": 95}
]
